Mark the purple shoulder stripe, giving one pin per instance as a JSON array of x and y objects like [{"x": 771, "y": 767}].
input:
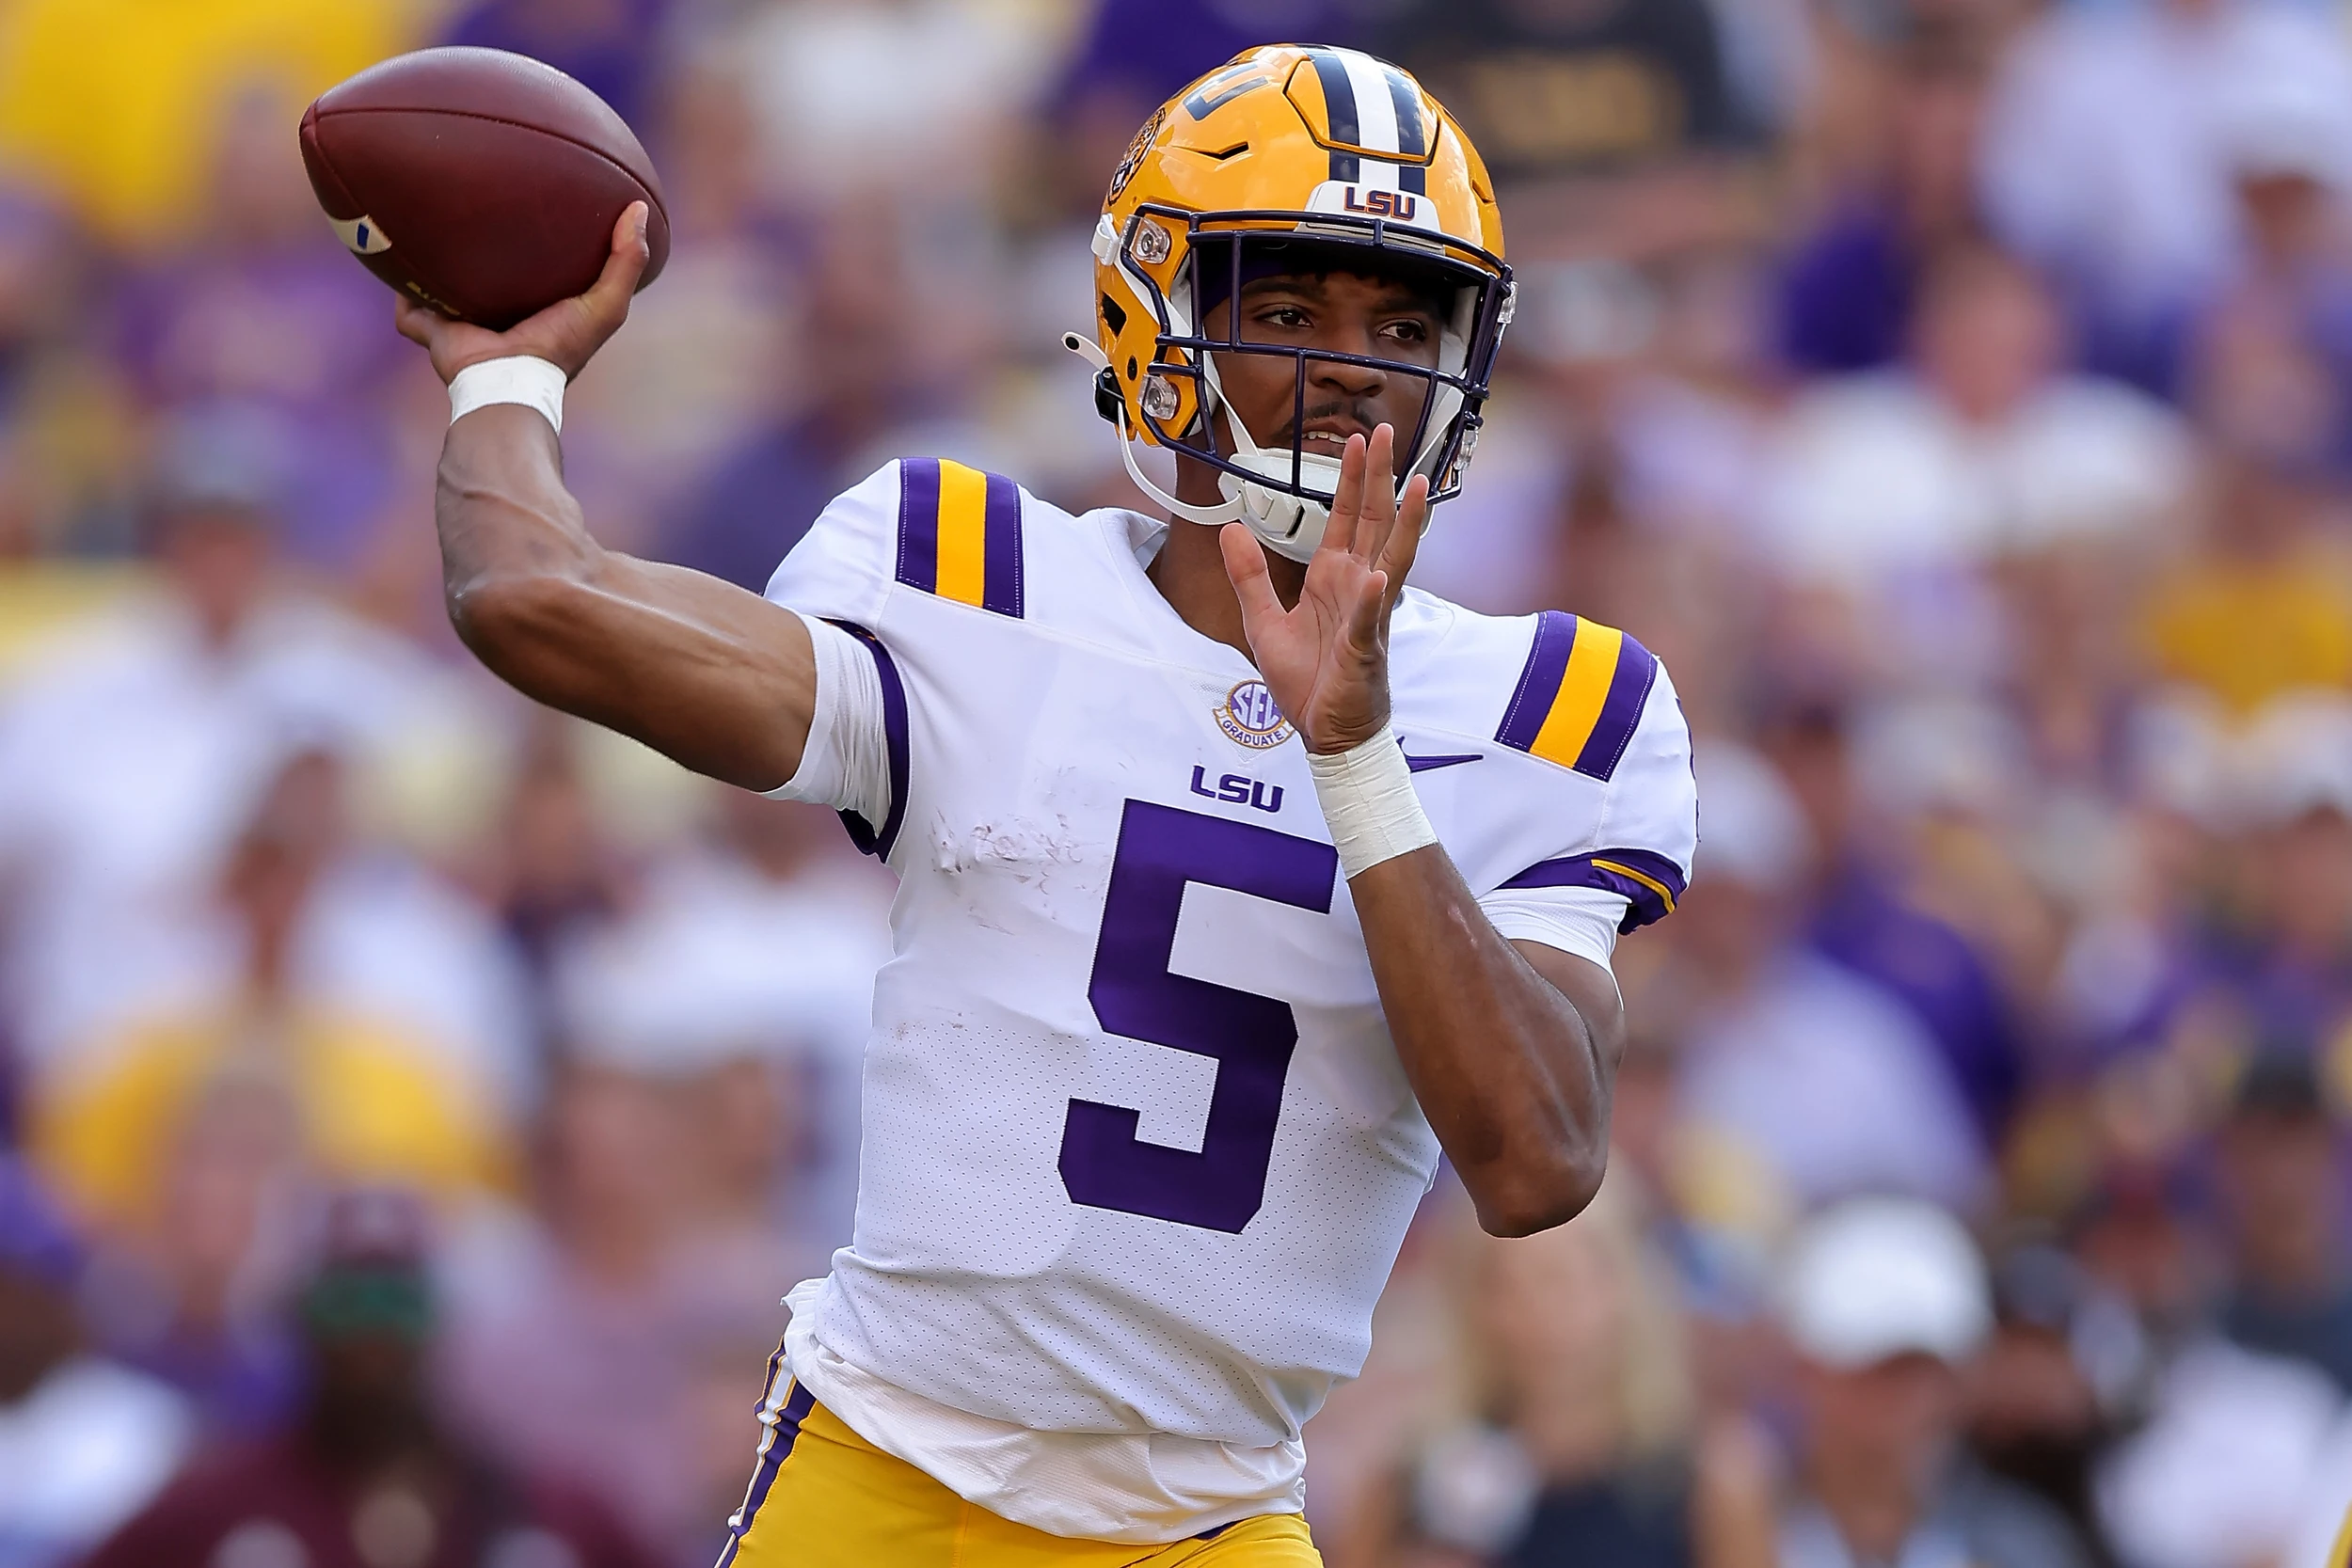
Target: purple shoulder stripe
[
  {"x": 919, "y": 523},
  {"x": 1620, "y": 712},
  {"x": 1001, "y": 548},
  {"x": 1539, "y": 681}
]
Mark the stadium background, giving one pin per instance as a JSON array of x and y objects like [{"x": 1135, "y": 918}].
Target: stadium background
[{"x": 1956, "y": 393}]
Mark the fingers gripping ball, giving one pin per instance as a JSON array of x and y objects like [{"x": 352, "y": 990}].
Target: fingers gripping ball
[{"x": 482, "y": 184}]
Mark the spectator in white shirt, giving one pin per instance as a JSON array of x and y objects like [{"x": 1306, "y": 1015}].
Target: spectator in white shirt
[
  {"x": 1984, "y": 447},
  {"x": 135, "y": 749}
]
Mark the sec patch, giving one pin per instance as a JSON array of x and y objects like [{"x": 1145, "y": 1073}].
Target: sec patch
[{"x": 1249, "y": 717}]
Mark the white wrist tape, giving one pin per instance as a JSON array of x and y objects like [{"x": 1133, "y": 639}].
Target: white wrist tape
[
  {"x": 521, "y": 378},
  {"x": 1369, "y": 804}
]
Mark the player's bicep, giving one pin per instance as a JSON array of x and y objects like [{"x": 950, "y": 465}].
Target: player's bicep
[
  {"x": 1589, "y": 988},
  {"x": 716, "y": 678}
]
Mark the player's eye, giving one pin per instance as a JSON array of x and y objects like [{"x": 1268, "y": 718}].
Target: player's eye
[
  {"x": 1410, "y": 329},
  {"x": 1290, "y": 318}
]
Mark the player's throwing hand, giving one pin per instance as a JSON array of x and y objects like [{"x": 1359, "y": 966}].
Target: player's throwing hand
[
  {"x": 1326, "y": 660},
  {"x": 566, "y": 333}
]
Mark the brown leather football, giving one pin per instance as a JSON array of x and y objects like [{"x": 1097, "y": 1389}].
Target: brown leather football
[{"x": 484, "y": 183}]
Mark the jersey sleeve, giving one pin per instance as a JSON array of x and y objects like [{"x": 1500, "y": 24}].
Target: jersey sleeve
[
  {"x": 843, "y": 567},
  {"x": 836, "y": 580},
  {"x": 883, "y": 564},
  {"x": 1591, "y": 879},
  {"x": 854, "y": 759}
]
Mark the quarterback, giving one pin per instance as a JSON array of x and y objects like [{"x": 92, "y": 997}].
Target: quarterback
[{"x": 1237, "y": 881}]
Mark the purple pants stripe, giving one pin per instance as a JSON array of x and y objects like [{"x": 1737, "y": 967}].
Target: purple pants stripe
[{"x": 785, "y": 1431}]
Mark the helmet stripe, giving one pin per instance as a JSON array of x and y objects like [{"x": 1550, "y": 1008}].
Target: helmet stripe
[
  {"x": 1339, "y": 112},
  {"x": 1405, "y": 104},
  {"x": 1376, "y": 108},
  {"x": 1412, "y": 140}
]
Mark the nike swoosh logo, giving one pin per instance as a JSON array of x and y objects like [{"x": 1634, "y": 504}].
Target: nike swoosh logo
[{"x": 1422, "y": 765}]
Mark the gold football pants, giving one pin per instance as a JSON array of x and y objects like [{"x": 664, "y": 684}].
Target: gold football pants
[{"x": 824, "y": 1498}]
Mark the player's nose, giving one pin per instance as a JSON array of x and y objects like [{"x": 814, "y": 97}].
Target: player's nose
[{"x": 1343, "y": 377}]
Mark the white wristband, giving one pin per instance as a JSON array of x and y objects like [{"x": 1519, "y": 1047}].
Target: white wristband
[
  {"x": 521, "y": 378},
  {"x": 1369, "y": 804}
]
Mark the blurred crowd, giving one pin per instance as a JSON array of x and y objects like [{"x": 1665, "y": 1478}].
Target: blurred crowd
[{"x": 412, "y": 1106}]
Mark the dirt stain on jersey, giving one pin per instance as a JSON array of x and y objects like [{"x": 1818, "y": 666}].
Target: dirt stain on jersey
[{"x": 1034, "y": 856}]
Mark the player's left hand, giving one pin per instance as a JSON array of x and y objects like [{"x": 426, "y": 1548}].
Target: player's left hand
[{"x": 1326, "y": 660}]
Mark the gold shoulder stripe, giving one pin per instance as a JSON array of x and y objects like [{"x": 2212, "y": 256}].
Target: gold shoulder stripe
[
  {"x": 960, "y": 535},
  {"x": 1584, "y": 688},
  {"x": 963, "y": 532},
  {"x": 1580, "y": 695}
]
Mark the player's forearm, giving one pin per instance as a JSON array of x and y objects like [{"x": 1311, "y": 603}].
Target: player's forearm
[
  {"x": 716, "y": 678},
  {"x": 1514, "y": 1077},
  {"x": 509, "y": 532}
]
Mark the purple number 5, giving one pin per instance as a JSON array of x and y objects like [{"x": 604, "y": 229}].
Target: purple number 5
[{"x": 1103, "y": 1165}]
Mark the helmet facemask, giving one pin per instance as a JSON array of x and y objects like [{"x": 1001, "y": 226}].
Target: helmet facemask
[{"x": 1284, "y": 493}]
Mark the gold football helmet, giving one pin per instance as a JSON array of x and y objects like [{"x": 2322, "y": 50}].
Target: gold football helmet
[{"x": 1290, "y": 155}]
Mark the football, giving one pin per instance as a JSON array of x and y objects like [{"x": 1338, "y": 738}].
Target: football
[{"x": 483, "y": 183}]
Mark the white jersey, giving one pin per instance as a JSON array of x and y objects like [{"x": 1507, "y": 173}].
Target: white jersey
[{"x": 1137, "y": 1150}]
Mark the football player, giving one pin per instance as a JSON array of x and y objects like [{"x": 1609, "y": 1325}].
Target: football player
[{"x": 1237, "y": 881}]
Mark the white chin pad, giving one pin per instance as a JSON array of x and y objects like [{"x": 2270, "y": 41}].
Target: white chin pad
[{"x": 1287, "y": 524}]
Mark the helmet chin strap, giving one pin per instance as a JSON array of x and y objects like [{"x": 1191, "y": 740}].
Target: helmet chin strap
[
  {"x": 1088, "y": 350},
  {"x": 1286, "y": 524}
]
